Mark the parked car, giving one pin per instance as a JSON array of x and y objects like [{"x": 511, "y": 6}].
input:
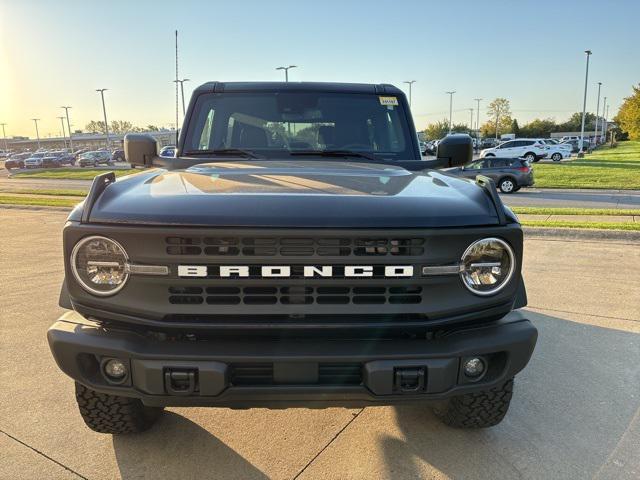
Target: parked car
[
  {"x": 118, "y": 156},
  {"x": 556, "y": 151},
  {"x": 489, "y": 143},
  {"x": 528, "y": 148},
  {"x": 94, "y": 158},
  {"x": 575, "y": 144},
  {"x": 35, "y": 160},
  {"x": 51, "y": 160},
  {"x": 16, "y": 161},
  {"x": 168, "y": 151},
  {"x": 510, "y": 174},
  {"x": 567, "y": 138}
]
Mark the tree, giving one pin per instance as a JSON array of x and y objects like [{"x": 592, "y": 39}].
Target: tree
[
  {"x": 574, "y": 124},
  {"x": 628, "y": 117},
  {"x": 488, "y": 129},
  {"x": 515, "y": 128},
  {"x": 95, "y": 127},
  {"x": 120, "y": 126},
  {"x": 539, "y": 128},
  {"x": 437, "y": 130},
  {"x": 499, "y": 111}
]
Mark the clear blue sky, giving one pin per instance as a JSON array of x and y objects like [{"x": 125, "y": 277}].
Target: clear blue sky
[{"x": 57, "y": 52}]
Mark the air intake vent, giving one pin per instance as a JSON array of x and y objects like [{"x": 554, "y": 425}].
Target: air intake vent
[{"x": 257, "y": 374}]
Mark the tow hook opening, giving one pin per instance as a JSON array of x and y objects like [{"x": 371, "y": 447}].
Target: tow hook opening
[
  {"x": 181, "y": 381},
  {"x": 409, "y": 379}
]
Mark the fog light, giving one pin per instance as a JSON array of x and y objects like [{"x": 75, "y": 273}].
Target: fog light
[
  {"x": 473, "y": 367},
  {"x": 115, "y": 369}
]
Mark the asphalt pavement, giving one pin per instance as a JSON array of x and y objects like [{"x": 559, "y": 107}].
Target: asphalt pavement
[{"x": 575, "y": 412}]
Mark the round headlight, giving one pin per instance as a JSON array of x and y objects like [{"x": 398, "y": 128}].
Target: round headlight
[
  {"x": 99, "y": 264},
  {"x": 487, "y": 266}
]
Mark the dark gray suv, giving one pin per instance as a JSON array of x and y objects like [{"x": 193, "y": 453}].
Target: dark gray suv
[{"x": 510, "y": 174}]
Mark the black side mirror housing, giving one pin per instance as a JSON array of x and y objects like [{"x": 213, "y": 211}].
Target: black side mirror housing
[
  {"x": 140, "y": 149},
  {"x": 455, "y": 150}
]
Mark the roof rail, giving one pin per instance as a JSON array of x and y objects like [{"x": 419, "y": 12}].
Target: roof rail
[
  {"x": 100, "y": 183},
  {"x": 490, "y": 187}
]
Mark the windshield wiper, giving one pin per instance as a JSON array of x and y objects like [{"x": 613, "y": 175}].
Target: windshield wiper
[
  {"x": 334, "y": 153},
  {"x": 236, "y": 152}
]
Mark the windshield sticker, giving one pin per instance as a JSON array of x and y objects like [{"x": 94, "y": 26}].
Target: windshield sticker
[{"x": 388, "y": 101}]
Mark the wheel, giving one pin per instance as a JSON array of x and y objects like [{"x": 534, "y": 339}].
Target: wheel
[
  {"x": 489, "y": 155},
  {"x": 477, "y": 410},
  {"x": 556, "y": 157},
  {"x": 530, "y": 156},
  {"x": 507, "y": 185},
  {"x": 105, "y": 413}
]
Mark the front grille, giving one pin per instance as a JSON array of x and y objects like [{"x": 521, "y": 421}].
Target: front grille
[
  {"x": 295, "y": 295},
  {"x": 256, "y": 374},
  {"x": 294, "y": 246}
]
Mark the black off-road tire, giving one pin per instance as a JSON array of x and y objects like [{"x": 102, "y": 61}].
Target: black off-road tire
[
  {"x": 477, "y": 410},
  {"x": 105, "y": 413}
]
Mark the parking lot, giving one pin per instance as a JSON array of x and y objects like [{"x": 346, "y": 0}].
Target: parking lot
[{"x": 575, "y": 412}]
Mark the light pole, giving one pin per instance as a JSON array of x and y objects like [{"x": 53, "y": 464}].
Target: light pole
[
  {"x": 471, "y": 121},
  {"x": 450, "y": 108},
  {"x": 409, "y": 82},
  {"x": 104, "y": 111},
  {"x": 497, "y": 119},
  {"x": 66, "y": 109},
  {"x": 181, "y": 82},
  {"x": 4, "y": 136},
  {"x": 597, "y": 112},
  {"x": 478, "y": 122},
  {"x": 584, "y": 104},
  {"x": 286, "y": 71},
  {"x": 64, "y": 136},
  {"x": 36, "y": 120}
]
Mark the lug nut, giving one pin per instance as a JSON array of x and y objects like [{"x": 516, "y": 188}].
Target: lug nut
[
  {"x": 115, "y": 369},
  {"x": 473, "y": 367}
]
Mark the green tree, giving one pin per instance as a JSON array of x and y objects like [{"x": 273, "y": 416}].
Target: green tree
[
  {"x": 499, "y": 111},
  {"x": 488, "y": 129},
  {"x": 574, "y": 124},
  {"x": 628, "y": 117},
  {"x": 437, "y": 130},
  {"x": 515, "y": 128},
  {"x": 539, "y": 128},
  {"x": 95, "y": 127},
  {"x": 120, "y": 126}
]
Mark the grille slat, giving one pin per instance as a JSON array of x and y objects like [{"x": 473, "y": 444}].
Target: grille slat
[
  {"x": 295, "y": 295},
  {"x": 257, "y": 374},
  {"x": 295, "y": 247}
]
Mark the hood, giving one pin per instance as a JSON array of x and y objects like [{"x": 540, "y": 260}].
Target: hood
[{"x": 294, "y": 194}]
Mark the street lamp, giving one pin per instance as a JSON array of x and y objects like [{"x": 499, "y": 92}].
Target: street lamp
[
  {"x": 409, "y": 82},
  {"x": 450, "y": 108},
  {"x": 597, "y": 112},
  {"x": 478, "y": 123},
  {"x": 4, "y": 136},
  {"x": 286, "y": 71},
  {"x": 36, "y": 120},
  {"x": 104, "y": 111},
  {"x": 64, "y": 136},
  {"x": 584, "y": 105},
  {"x": 471, "y": 121},
  {"x": 66, "y": 109},
  {"x": 181, "y": 82}
]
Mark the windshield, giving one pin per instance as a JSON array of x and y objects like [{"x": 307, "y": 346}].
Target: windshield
[{"x": 273, "y": 124}]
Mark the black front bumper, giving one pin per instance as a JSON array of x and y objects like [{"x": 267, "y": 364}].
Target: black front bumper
[{"x": 287, "y": 368}]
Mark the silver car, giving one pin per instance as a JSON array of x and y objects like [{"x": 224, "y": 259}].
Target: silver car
[{"x": 509, "y": 174}]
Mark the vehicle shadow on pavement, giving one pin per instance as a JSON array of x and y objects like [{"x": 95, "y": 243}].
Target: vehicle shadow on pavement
[
  {"x": 575, "y": 414},
  {"x": 176, "y": 448}
]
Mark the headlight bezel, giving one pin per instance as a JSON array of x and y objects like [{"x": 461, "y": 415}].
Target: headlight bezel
[
  {"x": 505, "y": 282},
  {"x": 76, "y": 275}
]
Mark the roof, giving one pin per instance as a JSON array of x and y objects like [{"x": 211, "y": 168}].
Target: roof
[{"x": 298, "y": 87}]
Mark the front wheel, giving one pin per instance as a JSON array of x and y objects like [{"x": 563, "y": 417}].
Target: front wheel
[
  {"x": 105, "y": 413},
  {"x": 507, "y": 185},
  {"x": 556, "y": 157},
  {"x": 477, "y": 410}
]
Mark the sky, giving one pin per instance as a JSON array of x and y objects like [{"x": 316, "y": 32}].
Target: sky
[{"x": 57, "y": 52}]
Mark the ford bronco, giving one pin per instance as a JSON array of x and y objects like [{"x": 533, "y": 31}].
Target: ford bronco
[{"x": 296, "y": 251}]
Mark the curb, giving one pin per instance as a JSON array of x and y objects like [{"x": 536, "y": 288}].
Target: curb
[{"x": 580, "y": 234}]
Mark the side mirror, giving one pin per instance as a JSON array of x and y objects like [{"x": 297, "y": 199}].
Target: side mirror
[
  {"x": 140, "y": 149},
  {"x": 455, "y": 150}
]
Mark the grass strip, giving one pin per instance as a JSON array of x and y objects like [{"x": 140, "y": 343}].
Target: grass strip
[
  {"x": 71, "y": 173},
  {"x": 38, "y": 201},
  {"x": 590, "y": 225},
  {"x": 54, "y": 192}
]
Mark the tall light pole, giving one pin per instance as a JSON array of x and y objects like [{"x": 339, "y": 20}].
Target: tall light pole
[
  {"x": 286, "y": 71},
  {"x": 64, "y": 136},
  {"x": 604, "y": 120},
  {"x": 409, "y": 82},
  {"x": 4, "y": 136},
  {"x": 36, "y": 120},
  {"x": 584, "y": 104},
  {"x": 471, "y": 121},
  {"x": 597, "y": 112},
  {"x": 450, "y": 108},
  {"x": 478, "y": 122},
  {"x": 181, "y": 82},
  {"x": 104, "y": 111},
  {"x": 66, "y": 109}
]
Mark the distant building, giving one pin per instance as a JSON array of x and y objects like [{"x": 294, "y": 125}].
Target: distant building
[{"x": 85, "y": 140}]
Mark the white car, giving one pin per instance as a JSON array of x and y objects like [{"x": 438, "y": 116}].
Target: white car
[
  {"x": 35, "y": 160},
  {"x": 556, "y": 151},
  {"x": 530, "y": 149}
]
